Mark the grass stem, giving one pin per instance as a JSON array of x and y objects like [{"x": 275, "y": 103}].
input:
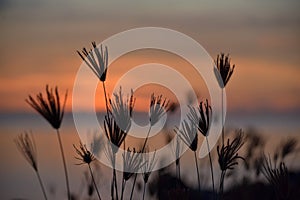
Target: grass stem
[
  {"x": 211, "y": 166},
  {"x": 223, "y": 131},
  {"x": 221, "y": 189},
  {"x": 123, "y": 188},
  {"x": 198, "y": 174},
  {"x": 105, "y": 97},
  {"x": 135, "y": 176},
  {"x": 93, "y": 179},
  {"x": 41, "y": 184},
  {"x": 64, "y": 163},
  {"x": 144, "y": 191}
]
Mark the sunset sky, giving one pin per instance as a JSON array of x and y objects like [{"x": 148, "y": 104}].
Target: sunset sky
[{"x": 39, "y": 40}]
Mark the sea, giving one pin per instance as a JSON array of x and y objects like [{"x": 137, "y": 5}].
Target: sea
[{"x": 18, "y": 180}]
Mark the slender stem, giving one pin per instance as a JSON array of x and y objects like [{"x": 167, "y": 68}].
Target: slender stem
[
  {"x": 135, "y": 176},
  {"x": 98, "y": 193},
  {"x": 115, "y": 181},
  {"x": 41, "y": 184},
  {"x": 115, "y": 176},
  {"x": 179, "y": 169},
  {"x": 123, "y": 188},
  {"x": 198, "y": 175},
  {"x": 223, "y": 142},
  {"x": 177, "y": 163},
  {"x": 222, "y": 184},
  {"x": 64, "y": 163},
  {"x": 211, "y": 166},
  {"x": 176, "y": 167},
  {"x": 133, "y": 184},
  {"x": 144, "y": 191},
  {"x": 223, "y": 131},
  {"x": 105, "y": 97},
  {"x": 112, "y": 188},
  {"x": 146, "y": 139}
]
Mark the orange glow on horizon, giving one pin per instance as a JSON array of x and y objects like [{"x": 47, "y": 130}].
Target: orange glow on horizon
[{"x": 275, "y": 93}]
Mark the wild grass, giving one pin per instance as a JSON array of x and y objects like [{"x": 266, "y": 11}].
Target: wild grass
[
  {"x": 86, "y": 157},
  {"x": 26, "y": 145},
  {"x": 117, "y": 125},
  {"x": 52, "y": 109}
]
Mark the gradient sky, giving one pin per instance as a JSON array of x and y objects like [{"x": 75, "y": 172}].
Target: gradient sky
[{"x": 39, "y": 40}]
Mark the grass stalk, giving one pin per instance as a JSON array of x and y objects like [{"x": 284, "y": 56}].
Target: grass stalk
[
  {"x": 41, "y": 184},
  {"x": 221, "y": 189},
  {"x": 105, "y": 97},
  {"x": 211, "y": 166},
  {"x": 178, "y": 169},
  {"x": 123, "y": 188},
  {"x": 64, "y": 163},
  {"x": 93, "y": 179},
  {"x": 135, "y": 176},
  {"x": 144, "y": 190},
  {"x": 198, "y": 174},
  {"x": 115, "y": 182},
  {"x": 223, "y": 131}
]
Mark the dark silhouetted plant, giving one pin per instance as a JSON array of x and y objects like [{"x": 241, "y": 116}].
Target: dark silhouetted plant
[
  {"x": 51, "y": 108},
  {"x": 27, "y": 148},
  {"x": 254, "y": 146},
  {"x": 148, "y": 166},
  {"x": 223, "y": 72},
  {"x": 122, "y": 110},
  {"x": 201, "y": 117},
  {"x": 288, "y": 147},
  {"x": 114, "y": 133},
  {"x": 158, "y": 107},
  {"x": 116, "y": 137},
  {"x": 178, "y": 149},
  {"x": 228, "y": 156},
  {"x": 86, "y": 157},
  {"x": 278, "y": 177},
  {"x": 98, "y": 66},
  {"x": 225, "y": 69},
  {"x": 285, "y": 148},
  {"x": 189, "y": 136},
  {"x": 108, "y": 150},
  {"x": 132, "y": 162}
]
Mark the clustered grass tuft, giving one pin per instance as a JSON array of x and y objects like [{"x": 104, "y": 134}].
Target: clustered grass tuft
[
  {"x": 278, "y": 177},
  {"x": 228, "y": 156}
]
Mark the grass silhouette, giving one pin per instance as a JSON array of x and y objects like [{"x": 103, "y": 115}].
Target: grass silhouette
[
  {"x": 52, "y": 110},
  {"x": 117, "y": 125},
  {"x": 27, "y": 148},
  {"x": 86, "y": 157}
]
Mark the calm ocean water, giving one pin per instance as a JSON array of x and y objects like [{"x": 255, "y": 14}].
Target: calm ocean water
[{"x": 18, "y": 179}]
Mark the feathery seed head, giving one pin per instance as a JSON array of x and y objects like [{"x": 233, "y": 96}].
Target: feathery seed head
[
  {"x": 49, "y": 107},
  {"x": 99, "y": 65},
  {"x": 85, "y": 155},
  {"x": 224, "y": 68}
]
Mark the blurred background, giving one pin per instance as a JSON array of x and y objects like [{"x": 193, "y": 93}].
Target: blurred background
[{"x": 39, "y": 40}]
